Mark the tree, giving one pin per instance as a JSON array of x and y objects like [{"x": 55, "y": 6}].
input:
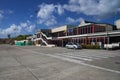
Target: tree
[{"x": 22, "y": 37}]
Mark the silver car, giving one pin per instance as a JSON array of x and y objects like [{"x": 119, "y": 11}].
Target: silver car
[{"x": 71, "y": 45}]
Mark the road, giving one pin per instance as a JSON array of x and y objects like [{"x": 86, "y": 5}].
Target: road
[{"x": 42, "y": 63}]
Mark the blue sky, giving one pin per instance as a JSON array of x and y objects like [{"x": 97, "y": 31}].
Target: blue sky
[{"x": 20, "y": 16}]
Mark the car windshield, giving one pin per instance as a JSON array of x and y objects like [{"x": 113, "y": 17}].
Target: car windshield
[
  {"x": 70, "y": 43},
  {"x": 76, "y": 43}
]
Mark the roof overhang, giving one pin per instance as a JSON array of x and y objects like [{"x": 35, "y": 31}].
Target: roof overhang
[{"x": 62, "y": 28}]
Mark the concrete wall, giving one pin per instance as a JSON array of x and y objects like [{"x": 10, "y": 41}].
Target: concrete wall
[
  {"x": 117, "y": 23},
  {"x": 108, "y": 27},
  {"x": 62, "y": 28}
]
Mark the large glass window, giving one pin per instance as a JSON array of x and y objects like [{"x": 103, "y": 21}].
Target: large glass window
[
  {"x": 79, "y": 31},
  {"x": 88, "y": 29},
  {"x": 74, "y": 31},
  {"x": 70, "y": 31}
]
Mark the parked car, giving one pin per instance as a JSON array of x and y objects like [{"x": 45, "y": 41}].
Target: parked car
[
  {"x": 71, "y": 45},
  {"x": 112, "y": 46}
]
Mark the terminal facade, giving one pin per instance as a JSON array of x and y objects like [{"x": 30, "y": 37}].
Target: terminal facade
[{"x": 85, "y": 33}]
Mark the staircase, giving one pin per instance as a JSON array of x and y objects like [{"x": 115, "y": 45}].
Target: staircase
[{"x": 45, "y": 39}]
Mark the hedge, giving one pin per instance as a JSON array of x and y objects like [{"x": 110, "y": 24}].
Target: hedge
[{"x": 89, "y": 46}]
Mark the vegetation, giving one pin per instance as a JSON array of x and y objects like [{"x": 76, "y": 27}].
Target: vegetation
[
  {"x": 22, "y": 37},
  {"x": 89, "y": 46},
  {"x": 10, "y": 40}
]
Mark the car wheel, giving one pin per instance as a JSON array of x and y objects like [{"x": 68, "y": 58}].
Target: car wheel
[
  {"x": 67, "y": 47},
  {"x": 74, "y": 47}
]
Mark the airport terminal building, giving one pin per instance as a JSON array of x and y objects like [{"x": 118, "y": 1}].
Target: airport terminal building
[{"x": 85, "y": 33}]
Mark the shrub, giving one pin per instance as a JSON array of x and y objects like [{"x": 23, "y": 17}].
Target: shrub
[{"x": 88, "y": 46}]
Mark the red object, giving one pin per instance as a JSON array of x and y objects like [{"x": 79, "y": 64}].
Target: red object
[{"x": 92, "y": 28}]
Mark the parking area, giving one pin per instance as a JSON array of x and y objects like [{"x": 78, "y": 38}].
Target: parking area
[
  {"x": 44, "y": 63},
  {"x": 103, "y": 58}
]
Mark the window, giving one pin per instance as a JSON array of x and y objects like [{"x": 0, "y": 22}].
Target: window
[
  {"x": 89, "y": 29},
  {"x": 38, "y": 35},
  {"x": 70, "y": 31}
]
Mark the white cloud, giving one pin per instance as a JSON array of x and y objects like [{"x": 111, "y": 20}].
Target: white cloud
[
  {"x": 93, "y": 7},
  {"x": 52, "y": 21},
  {"x": 1, "y": 14},
  {"x": 31, "y": 16},
  {"x": 9, "y": 12},
  {"x": 60, "y": 9},
  {"x": 18, "y": 29},
  {"x": 23, "y": 25},
  {"x": 11, "y": 30},
  {"x": 31, "y": 28},
  {"x": 46, "y": 14},
  {"x": 27, "y": 26},
  {"x": 72, "y": 20},
  {"x": 45, "y": 10}
]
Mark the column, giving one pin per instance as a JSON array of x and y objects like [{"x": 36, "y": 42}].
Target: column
[
  {"x": 104, "y": 40},
  {"x": 77, "y": 30},
  {"x": 92, "y": 28}
]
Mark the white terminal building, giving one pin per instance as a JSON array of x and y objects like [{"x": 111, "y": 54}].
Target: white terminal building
[{"x": 85, "y": 33}]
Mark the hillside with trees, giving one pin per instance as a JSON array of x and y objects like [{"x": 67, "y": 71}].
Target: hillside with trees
[{"x": 11, "y": 40}]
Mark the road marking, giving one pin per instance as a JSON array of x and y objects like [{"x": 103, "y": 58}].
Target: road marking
[
  {"x": 75, "y": 61},
  {"x": 74, "y": 57},
  {"x": 96, "y": 57},
  {"x": 79, "y": 62},
  {"x": 87, "y": 58}
]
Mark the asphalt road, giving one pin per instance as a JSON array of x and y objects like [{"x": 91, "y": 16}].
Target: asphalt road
[{"x": 42, "y": 63}]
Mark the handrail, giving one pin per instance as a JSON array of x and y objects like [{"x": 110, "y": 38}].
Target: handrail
[
  {"x": 44, "y": 41},
  {"x": 43, "y": 34},
  {"x": 46, "y": 36}
]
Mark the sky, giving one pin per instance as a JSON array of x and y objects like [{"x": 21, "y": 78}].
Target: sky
[{"x": 26, "y": 16}]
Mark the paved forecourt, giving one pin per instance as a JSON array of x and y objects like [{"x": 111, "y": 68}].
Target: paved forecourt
[{"x": 39, "y": 63}]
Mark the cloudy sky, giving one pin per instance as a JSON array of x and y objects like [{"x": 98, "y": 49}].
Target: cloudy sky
[{"x": 21, "y": 16}]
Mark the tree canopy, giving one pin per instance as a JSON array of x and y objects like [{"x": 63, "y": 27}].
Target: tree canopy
[{"x": 21, "y": 37}]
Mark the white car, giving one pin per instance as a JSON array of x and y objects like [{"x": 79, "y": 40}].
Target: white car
[
  {"x": 112, "y": 46},
  {"x": 71, "y": 45}
]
